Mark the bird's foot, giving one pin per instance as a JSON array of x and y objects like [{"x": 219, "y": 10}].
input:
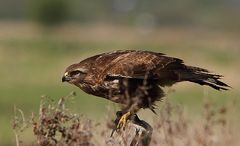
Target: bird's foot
[
  {"x": 120, "y": 121},
  {"x": 123, "y": 120}
]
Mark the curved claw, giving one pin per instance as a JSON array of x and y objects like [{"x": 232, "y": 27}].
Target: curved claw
[{"x": 123, "y": 120}]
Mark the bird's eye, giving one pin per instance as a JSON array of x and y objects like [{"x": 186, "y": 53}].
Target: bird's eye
[{"x": 74, "y": 73}]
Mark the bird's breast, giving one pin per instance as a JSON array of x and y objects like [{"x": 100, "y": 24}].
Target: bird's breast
[{"x": 100, "y": 90}]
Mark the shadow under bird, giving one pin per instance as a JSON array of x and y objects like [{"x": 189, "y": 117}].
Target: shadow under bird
[{"x": 134, "y": 78}]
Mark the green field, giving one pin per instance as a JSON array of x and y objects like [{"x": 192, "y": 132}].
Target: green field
[{"x": 32, "y": 62}]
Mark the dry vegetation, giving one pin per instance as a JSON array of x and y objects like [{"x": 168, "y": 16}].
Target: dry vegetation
[
  {"x": 174, "y": 128},
  {"x": 55, "y": 124}
]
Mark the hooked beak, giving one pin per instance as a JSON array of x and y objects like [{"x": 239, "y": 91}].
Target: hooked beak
[{"x": 66, "y": 79}]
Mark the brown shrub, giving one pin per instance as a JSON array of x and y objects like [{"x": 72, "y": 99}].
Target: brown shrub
[{"x": 57, "y": 125}]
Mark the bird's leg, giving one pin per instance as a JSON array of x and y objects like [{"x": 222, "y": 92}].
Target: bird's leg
[
  {"x": 126, "y": 115},
  {"x": 123, "y": 120},
  {"x": 122, "y": 117}
]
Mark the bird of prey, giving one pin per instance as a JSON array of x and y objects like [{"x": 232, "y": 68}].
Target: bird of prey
[{"x": 135, "y": 79}]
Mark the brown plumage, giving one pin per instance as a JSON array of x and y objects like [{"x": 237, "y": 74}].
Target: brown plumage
[{"x": 134, "y": 78}]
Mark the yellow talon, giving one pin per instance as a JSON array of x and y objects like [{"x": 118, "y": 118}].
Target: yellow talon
[{"x": 123, "y": 120}]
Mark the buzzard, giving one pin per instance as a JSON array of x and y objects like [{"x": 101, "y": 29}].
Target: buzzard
[{"x": 135, "y": 79}]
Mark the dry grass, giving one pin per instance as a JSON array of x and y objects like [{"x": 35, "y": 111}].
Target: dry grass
[
  {"x": 55, "y": 124},
  {"x": 175, "y": 129}
]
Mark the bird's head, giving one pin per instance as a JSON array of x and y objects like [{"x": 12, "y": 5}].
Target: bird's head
[{"x": 74, "y": 74}]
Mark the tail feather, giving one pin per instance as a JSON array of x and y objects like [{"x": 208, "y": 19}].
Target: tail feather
[{"x": 203, "y": 77}]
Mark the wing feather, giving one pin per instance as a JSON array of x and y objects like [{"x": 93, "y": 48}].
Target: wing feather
[{"x": 138, "y": 65}]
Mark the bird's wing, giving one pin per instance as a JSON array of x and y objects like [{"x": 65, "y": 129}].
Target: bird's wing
[{"x": 139, "y": 65}]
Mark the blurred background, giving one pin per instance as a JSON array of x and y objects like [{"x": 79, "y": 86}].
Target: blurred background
[{"x": 40, "y": 38}]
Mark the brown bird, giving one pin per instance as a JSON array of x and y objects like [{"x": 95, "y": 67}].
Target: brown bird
[{"x": 135, "y": 78}]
